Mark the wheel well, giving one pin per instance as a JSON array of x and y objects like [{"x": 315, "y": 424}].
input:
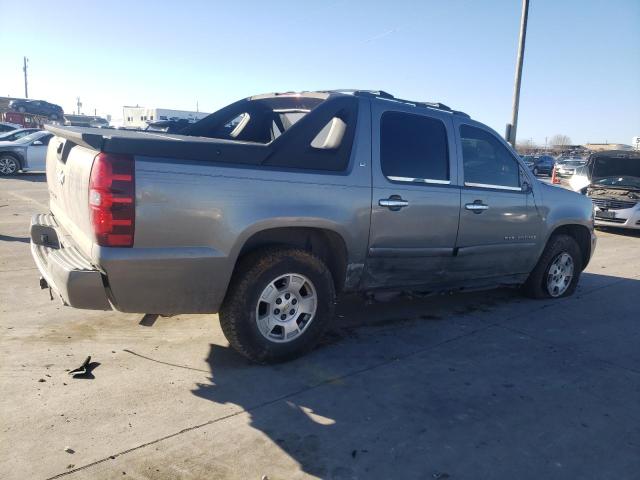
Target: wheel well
[
  {"x": 581, "y": 235},
  {"x": 325, "y": 244},
  {"x": 14, "y": 156}
]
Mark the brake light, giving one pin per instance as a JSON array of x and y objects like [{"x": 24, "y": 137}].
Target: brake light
[{"x": 112, "y": 197}]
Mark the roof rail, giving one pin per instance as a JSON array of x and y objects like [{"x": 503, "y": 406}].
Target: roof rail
[{"x": 387, "y": 96}]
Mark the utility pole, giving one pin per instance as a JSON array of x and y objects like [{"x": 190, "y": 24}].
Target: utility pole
[
  {"x": 513, "y": 126},
  {"x": 79, "y": 104},
  {"x": 24, "y": 69}
]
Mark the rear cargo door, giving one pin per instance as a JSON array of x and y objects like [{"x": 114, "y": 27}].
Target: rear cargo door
[
  {"x": 416, "y": 202},
  {"x": 68, "y": 173}
]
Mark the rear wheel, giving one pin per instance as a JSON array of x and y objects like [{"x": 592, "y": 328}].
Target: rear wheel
[
  {"x": 558, "y": 270},
  {"x": 8, "y": 165},
  {"x": 278, "y": 305}
]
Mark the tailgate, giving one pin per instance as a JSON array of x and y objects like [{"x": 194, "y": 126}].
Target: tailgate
[{"x": 68, "y": 172}]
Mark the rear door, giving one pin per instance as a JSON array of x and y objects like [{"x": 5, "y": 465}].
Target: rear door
[
  {"x": 499, "y": 221},
  {"x": 416, "y": 203}
]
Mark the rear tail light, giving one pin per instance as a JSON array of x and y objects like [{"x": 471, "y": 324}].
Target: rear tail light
[{"x": 112, "y": 197}]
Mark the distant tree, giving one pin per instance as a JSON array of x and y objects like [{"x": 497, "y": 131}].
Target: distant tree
[
  {"x": 526, "y": 147},
  {"x": 560, "y": 140}
]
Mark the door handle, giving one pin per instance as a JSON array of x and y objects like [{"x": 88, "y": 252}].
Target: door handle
[
  {"x": 394, "y": 202},
  {"x": 477, "y": 206}
]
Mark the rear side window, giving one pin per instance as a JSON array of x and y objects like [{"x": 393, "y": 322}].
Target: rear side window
[
  {"x": 486, "y": 161},
  {"x": 413, "y": 147}
]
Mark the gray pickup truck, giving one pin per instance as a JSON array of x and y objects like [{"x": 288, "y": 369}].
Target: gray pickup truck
[{"x": 269, "y": 208}]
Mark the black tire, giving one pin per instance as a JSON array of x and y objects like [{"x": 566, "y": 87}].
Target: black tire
[
  {"x": 252, "y": 275},
  {"x": 9, "y": 165},
  {"x": 536, "y": 284}
]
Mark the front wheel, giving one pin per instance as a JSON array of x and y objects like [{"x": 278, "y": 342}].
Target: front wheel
[
  {"x": 279, "y": 304},
  {"x": 557, "y": 272},
  {"x": 8, "y": 165}
]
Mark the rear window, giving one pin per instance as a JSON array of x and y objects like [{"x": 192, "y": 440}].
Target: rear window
[
  {"x": 259, "y": 120},
  {"x": 413, "y": 147}
]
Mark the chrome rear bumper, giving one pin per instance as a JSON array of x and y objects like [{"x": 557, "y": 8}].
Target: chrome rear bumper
[{"x": 64, "y": 269}]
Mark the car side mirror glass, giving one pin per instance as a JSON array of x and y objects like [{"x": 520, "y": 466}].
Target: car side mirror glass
[
  {"x": 37, "y": 142},
  {"x": 526, "y": 187}
]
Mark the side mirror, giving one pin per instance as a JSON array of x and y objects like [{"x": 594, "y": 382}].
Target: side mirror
[
  {"x": 526, "y": 187},
  {"x": 37, "y": 142}
]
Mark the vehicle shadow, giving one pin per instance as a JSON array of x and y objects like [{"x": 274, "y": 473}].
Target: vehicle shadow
[
  {"x": 378, "y": 423},
  {"x": 10, "y": 238},
  {"x": 627, "y": 232},
  {"x": 300, "y": 423},
  {"x": 33, "y": 177}
]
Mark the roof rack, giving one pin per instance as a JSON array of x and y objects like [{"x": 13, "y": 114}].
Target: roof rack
[{"x": 387, "y": 96}]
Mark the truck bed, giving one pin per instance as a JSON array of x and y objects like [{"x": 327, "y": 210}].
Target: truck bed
[{"x": 158, "y": 144}]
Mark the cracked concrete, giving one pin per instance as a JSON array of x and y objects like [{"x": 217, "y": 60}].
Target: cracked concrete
[{"x": 482, "y": 385}]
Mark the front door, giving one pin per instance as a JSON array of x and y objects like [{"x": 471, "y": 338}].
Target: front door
[
  {"x": 37, "y": 152},
  {"x": 416, "y": 200},
  {"x": 499, "y": 221}
]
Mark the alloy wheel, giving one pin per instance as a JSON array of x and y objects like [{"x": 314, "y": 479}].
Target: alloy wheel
[
  {"x": 560, "y": 274},
  {"x": 286, "y": 308}
]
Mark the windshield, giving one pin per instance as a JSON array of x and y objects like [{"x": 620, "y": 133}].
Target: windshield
[
  {"x": 29, "y": 138},
  {"x": 633, "y": 182}
]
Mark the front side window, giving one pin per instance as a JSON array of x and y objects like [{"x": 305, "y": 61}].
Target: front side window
[
  {"x": 486, "y": 161},
  {"x": 413, "y": 147}
]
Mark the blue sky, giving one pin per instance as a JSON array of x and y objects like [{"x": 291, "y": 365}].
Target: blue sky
[{"x": 581, "y": 73}]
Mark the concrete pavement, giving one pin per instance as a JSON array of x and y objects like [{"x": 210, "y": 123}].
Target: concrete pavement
[{"x": 482, "y": 385}]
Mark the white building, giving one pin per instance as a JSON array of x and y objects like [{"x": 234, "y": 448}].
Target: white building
[
  {"x": 636, "y": 143},
  {"x": 139, "y": 117}
]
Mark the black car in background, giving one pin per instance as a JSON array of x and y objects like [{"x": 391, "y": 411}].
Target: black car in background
[
  {"x": 540, "y": 164},
  {"x": 37, "y": 107}
]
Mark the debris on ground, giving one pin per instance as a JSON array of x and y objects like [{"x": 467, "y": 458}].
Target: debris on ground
[
  {"x": 42, "y": 380},
  {"x": 69, "y": 450},
  {"x": 84, "y": 370}
]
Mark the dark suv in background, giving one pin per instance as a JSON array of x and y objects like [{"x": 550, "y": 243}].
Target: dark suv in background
[
  {"x": 539, "y": 165},
  {"x": 37, "y": 107}
]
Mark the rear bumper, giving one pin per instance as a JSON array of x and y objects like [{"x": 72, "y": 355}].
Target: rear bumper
[{"x": 64, "y": 268}]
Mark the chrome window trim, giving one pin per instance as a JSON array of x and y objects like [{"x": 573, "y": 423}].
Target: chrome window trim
[
  {"x": 419, "y": 180},
  {"x": 486, "y": 185}
]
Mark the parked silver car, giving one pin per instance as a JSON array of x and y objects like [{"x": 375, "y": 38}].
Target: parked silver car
[
  {"x": 26, "y": 153},
  {"x": 615, "y": 188},
  {"x": 267, "y": 209}
]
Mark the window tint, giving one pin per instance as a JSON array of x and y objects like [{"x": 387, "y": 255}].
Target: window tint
[
  {"x": 413, "y": 146},
  {"x": 486, "y": 160}
]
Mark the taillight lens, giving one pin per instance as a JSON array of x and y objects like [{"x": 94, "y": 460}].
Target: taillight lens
[{"x": 112, "y": 200}]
